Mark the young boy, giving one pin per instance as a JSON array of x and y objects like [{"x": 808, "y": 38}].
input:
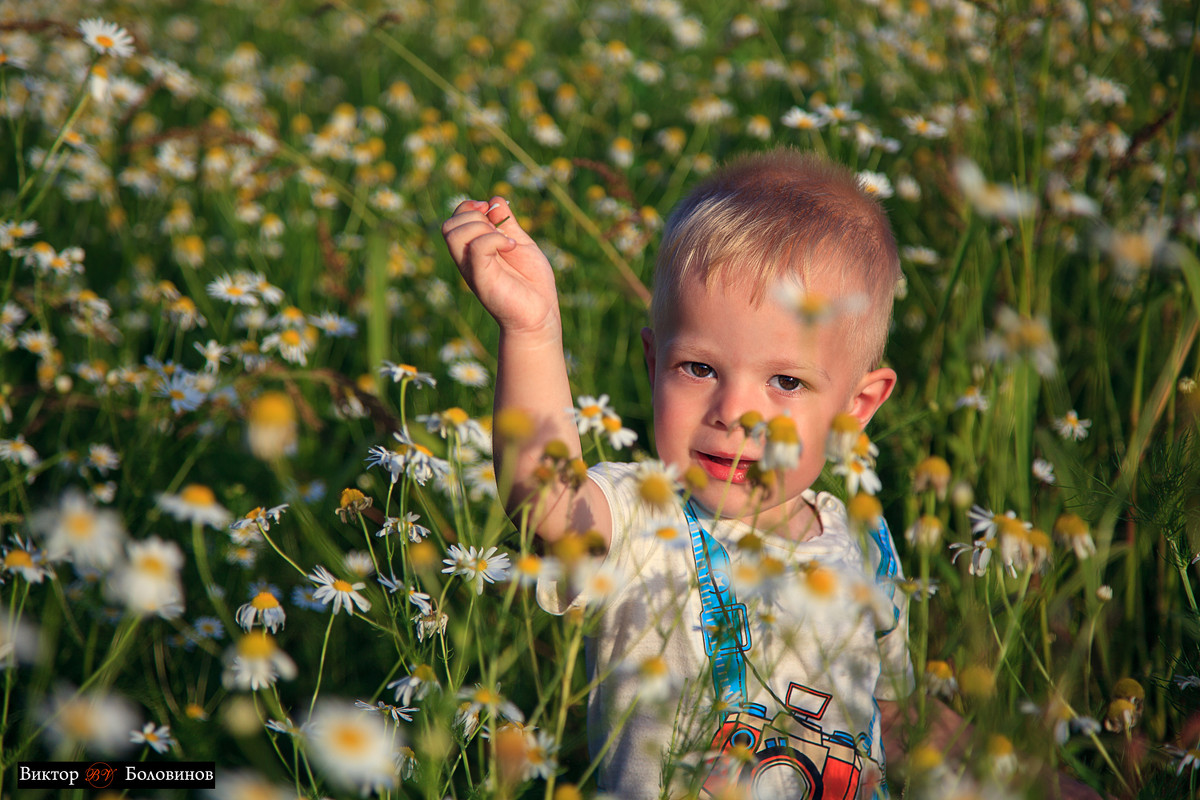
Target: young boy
[{"x": 751, "y": 654}]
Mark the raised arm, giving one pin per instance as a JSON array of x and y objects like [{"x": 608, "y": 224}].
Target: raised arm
[{"x": 510, "y": 275}]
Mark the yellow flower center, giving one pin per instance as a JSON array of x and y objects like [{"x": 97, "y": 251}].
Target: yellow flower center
[
  {"x": 656, "y": 489},
  {"x": 256, "y": 646},
  {"x": 105, "y": 41},
  {"x": 667, "y": 533},
  {"x": 821, "y": 581},
  {"x": 1000, "y": 746},
  {"x": 655, "y": 667},
  {"x": 272, "y": 408},
  {"x": 529, "y": 564},
  {"x": 197, "y": 495},
  {"x": 342, "y": 586},
  {"x": 78, "y": 720},
  {"x": 264, "y": 600},
  {"x": 79, "y": 524},
  {"x": 18, "y": 559},
  {"x": 782, "y": 430},
  {"x": 846, "y": 423},
  {"x": 940, "y": 670},
  {"x": 291, "y": 338},
  {"x": 349, "y": 739},
  {"x": 455, "y": 416},
  {"x": 424, "y": 673},
  {"x": 152, "y": 565}
]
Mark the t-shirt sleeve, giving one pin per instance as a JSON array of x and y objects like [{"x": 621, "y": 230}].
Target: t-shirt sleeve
[{"x": 557, "y": 595}]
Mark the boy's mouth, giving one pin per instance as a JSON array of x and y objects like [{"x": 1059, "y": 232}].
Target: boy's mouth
[{"x": 721, "y": 468}]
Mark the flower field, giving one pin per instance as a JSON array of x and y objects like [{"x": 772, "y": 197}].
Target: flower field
[{"x": 249, "y": 513}]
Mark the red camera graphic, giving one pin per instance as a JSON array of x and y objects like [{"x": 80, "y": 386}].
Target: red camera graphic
[{"x": 784, "y": 757}]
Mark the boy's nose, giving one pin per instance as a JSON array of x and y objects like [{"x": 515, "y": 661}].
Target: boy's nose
[{"x": 729, "y": 403}]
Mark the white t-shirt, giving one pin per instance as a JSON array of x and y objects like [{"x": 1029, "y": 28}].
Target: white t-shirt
[{"x": 814, "y": 632}]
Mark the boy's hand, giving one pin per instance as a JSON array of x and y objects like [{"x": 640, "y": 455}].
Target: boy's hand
[{"x": 503, "y": 266}]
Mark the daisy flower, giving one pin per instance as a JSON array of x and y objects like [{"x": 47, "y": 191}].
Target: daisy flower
[
  {"x": 481, "y": 698},
  {"x": 197, "y": 504},
  {"x": 990, "y": 199},
  {"x": 416, "y": 460},
  {"x": 416, "y": 686},
  {"x": 430, "y": 625},
  {"x": 258, "y": 519},
  {"x": 404, "y": 526},
  {"x": 658, "y": 483},
  {"x": 1187, "y": 758},
  {"x": 619, "y": 437},
  {"x": 272, "y": 428},
  {"x": 470, "y": 373},
  {"x": 1043, "y": 471},
  {"x": 23, "y": 558},
  {"x": 531, "y": 568},
  {"x": 589, "y": 416},
  {"x": 158, "y": 738},
  {"x": 926, "y": 532},
  {"x": 974, "y": 398},
  {"x": 182, "y": 391},
  {"x": 803, "y": 120},
  {"x": 477, "y": 565},
  {"x": 149, "y": 582},
  {"x": 981, "y": 553},
  {"x": 859, "y": 475},
  {"x": 339, "y": 592},
  {"x": 19, "y": 641},
  {"x": 79, "y": 532},
  {"x": 408, "y": 373},
  {"x": 670, "y": 535},
  {"x": 454, "y": 420},
  {"x": 656, "y": 683},
  {"x": 106, "y": 38},
  {"x": 263, "y": 607},
  {"x": 1187, "y": 681},
  {"x": 99, "y": 721},
  {"x": 397, "y": 713},
  {"x": 294, "y": 345},
  {"x": 783, "y": 446},
  {"x": 354, "y": 750},
  {"x": 939, "y": 679},
  {"x": 332, "y": 324},
  {"x": 209, "y": 628},
  {"x": 18, "y": 451},
  {"x": 1070, "y": 426},
  {"x": 232, "y": 290},
  {"x": 256, "y": 662}
]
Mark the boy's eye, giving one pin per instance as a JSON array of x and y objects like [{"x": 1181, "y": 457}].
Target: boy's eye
[
  {"x": 697, "y": 369},
  {"x": 786, "y": 383}
]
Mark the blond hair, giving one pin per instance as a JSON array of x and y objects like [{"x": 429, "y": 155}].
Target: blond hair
[{"x": 783, "y": 214}]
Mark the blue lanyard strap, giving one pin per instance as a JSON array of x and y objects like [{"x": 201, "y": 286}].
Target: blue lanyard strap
[{"x": 723, "y": 620}]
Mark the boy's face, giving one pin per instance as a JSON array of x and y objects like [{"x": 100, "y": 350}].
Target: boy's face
[{"x": 717, "y": 357}]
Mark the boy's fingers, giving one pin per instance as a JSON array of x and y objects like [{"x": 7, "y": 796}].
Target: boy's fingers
[
  {"x": 469, "y": 205},
  {"x": 474, "y": 251}
]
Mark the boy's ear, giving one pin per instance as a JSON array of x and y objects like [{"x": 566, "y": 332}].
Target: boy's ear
[
  {"x": 650, "y": 353},
  {"x": 873, "y": 389}
]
